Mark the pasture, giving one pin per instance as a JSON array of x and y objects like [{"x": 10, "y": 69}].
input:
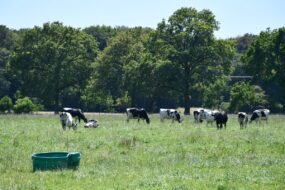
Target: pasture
[{"x": 121, "y": 155}]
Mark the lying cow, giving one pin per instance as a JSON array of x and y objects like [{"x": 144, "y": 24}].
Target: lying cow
[
  {"x": 261, "y": 114},
  {"x": 135, "y": 113},
  {"x": 242, "y": 119},
  {"x": 91, "y": 124},
  {"x": 221, "y": 119},
  {"x": 75, "y": 113},
  {"x": 169, "y": 114},
  {"x": 66, "y": 120},
  {"x": 207, "y": 115}
]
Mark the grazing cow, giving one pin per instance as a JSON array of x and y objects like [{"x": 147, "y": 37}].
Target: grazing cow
[
  {"x": 207, "y": 115},
  {"x": 135, "y": 113},
  {"x": 91, "y": 124},
  {"x": 75, "y": 113},
  {"x": 196, "y": 116},
  {"x": 261, "y": 114},
  {"x": 170, "y": 114},
  {"x": 221, "y": 119},
  {"x": 66, "y": 120},
  {"x": 242, "y": 119}
]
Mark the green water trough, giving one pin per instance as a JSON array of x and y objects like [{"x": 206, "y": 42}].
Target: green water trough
[{"x": 56, "y": 160}]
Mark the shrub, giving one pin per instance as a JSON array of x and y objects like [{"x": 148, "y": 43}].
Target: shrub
[
  {"x": 25, "y": 105},
  {"x": 6, "y": 104}
]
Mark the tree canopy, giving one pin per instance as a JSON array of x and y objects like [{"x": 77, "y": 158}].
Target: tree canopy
[{"x": 52, "y": 58}]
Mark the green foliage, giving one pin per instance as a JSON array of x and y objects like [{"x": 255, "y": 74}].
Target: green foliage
[
  {"x": 245, "y": 97},
  {"x": 265, "y": 59},
  {"x": 101, "y": 34},
  {"x": 25, "y": 105},
  {"x": 188, "y": 42},
  {"x": 6, "y": 104},
  {"x": 53, "y": 58},
  {"x": 212, "y": 93},
  {"x": 123, "y": 71}
]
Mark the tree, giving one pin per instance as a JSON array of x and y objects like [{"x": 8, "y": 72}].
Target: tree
[
  {"x": 187, "y": 41},
  {"x": 7, "y": 41},
  {"x": 53, "y": 58},
  {"x": 123, "y": 72},
  {"x": 6, "y": 104},
  {"x": 25, "y": 105},
  {"x": 101, "y": 34},
  {"x": 265, "y": 59},
  {"x": 245, "y": 97}
]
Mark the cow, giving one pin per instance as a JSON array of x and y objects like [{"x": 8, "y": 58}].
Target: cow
[
  {"x": 260, "y": 114},
  {"x": 196, "y": 116},
  {"x": 135, "y": 113},
  {"x": 242, "y": 119},
  {"x": 169, "y": 114},
  {"x": 66, "y": 120},
  {"x": 91, "y": 124},
  {"x": 207, "y": 115},
  {"x": 76, "y": 113},
  {"x": 221, "y": 119}
]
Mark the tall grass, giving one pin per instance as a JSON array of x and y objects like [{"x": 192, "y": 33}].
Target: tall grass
[{"x": 121, "y": 155}]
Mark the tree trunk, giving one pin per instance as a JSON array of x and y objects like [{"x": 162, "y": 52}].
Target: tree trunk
[
  {"x": 186, "y": 104},
  {"x": 56, "y": 102}
]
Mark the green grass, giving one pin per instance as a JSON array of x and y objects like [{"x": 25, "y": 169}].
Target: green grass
[{"x": 120, "y": 155}]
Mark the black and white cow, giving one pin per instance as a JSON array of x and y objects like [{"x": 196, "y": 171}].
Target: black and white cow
[
  {"x": 67, "y": 121},
  {"x": 196, "y": 116},
  {"x": 242, "y": 119},
  {"x": 75, "y": 113},
  {"x": 221, "y": 119},
  {"x": 135, "y": 113},
  {"x": 208, "y": 115},
  {"x": 170, "y": 114},
  {"x": 91, "y": 124},
  {"x": 260, "y": 114}
]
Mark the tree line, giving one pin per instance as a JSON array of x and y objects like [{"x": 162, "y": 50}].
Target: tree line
[{"x": 178, "y": 64}]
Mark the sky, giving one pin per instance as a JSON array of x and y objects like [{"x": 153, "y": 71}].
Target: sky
[{"x": 236, "y": 17}]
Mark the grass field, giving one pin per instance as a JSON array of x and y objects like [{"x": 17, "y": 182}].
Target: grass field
[{"x": 120, "y": 155}]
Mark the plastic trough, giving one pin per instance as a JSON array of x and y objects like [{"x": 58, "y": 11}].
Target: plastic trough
[{"x": 56, "y": 160}]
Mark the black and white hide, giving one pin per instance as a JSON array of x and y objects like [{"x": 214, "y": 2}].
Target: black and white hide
[
  {"x": 135, "y": 113},
  {"x": 207, "y": 115},
  {"x": 91, "y": 124},
  {"x": 196, "y": 116},
  {"x": 169, "y": 114},
  {"x": 67, "y": 121},
  {"x": 242, "y": 119},
  {"x": 260, "y": 114},
  {"x": 75, "y": 113},
  {"x": 221, "y": 119}
]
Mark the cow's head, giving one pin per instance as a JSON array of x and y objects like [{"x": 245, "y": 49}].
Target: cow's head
[
  {"x": 253, "y": 117},
  {"x": 177, "y": 116}
]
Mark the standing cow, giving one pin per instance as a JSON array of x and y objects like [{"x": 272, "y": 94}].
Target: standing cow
[
  {"x": 76, "y": 113},
  {"x": 66, "y": 120},
  {"x": 242, "y": 119},
  {"x": 196, "y": 116},
  {"x": 169, "y": 114},
  {"x": 207, "y": 115},
  {"x": 135, "y": 113},
  {"x": 260, "y": 114},
  {"x": 221, "y": 119}
]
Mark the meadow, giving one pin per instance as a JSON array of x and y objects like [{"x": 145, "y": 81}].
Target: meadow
[{"x": 121, "y": 155}]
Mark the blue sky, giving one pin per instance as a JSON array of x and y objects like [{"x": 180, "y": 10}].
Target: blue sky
[{"x": 236, "y": 17}]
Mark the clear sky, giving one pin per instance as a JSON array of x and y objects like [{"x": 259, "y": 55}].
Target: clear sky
[{"x": 236, "y": 17}]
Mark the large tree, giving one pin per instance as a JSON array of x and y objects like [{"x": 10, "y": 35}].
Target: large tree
[
  {"x": 51, "y": 59},
  {"x": 265, "y": 60},
  {"x": 195, "y": 56},
  {"x": 123, "y": 72}
]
